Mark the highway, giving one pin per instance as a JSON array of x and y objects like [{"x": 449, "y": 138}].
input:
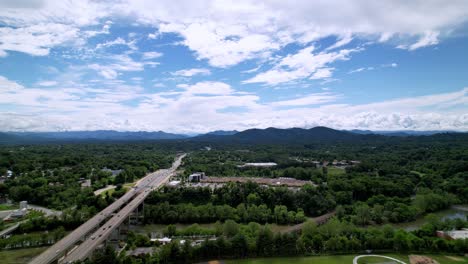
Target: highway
[{"x": 131, "y": 200}]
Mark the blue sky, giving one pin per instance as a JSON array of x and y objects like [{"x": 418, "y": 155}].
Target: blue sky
[{"x": 198, "y": 66}]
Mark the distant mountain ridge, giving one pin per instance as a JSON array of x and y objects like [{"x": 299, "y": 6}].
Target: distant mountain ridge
[
  {"x": 95, "y": 135},
  {"x": 400, "y": 133},
  {"x": 289, "y": 135},
  {"x": 250, "y": 136},
  {"x": 222, "y": 132}
]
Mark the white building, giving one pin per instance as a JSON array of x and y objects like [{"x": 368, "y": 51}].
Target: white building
[
  {"x": 23, "y": 205},
  {"x": 163, "y": 241},
  {"x": 258, "y": 164}
]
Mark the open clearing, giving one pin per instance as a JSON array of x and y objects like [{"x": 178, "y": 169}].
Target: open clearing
[
  {"x": 344, "y": 259},
  {"x": 19, "y": 256}
]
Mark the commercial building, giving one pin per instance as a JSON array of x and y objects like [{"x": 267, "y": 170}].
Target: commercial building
[{"x": 196, "y": 177}]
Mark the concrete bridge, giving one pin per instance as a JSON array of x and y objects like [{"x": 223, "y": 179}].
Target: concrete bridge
[{"x": 97, "y": 229}]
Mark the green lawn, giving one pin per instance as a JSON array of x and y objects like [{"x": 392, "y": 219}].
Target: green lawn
[
  {"x": 344, "y": 259},
  {"x": 4, "y": 207},
  {"x": 333, "y": 171},
  {"x": 19, "y": 256}
]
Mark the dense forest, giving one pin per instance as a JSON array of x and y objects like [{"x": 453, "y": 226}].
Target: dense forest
[
  {"x": 391, "y": 180},
  {"x": 51, "y": 175},
  {"x": 254, "y": 240}
]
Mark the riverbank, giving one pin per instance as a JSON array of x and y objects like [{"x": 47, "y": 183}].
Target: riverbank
[{"x": 453, "y": 213}]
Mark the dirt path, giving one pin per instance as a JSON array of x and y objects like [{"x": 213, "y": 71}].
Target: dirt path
[{"x": 319, "y": 220}]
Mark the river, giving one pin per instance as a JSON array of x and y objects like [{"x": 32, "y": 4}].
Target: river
[{"x": 453, "y": 213}]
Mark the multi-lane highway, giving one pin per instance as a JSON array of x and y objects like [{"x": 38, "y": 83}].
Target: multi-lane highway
[{"x": 131, "y": 200}]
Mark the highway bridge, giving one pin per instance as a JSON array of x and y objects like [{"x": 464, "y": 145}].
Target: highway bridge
[{"x": 94, "y": 232}]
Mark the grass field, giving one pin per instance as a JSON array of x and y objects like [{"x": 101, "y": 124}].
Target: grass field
[
  {"x": 19, "y": 256},
  {"x": 332, "y": 171},
  {"x": 344, "y": 259},
  {"x": 4, "y": 207}
]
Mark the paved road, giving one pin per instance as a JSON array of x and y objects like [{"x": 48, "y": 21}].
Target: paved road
[
  {"x": 86, "y": 248},
  {"x": 59, "y": 248},
  {"x": 10, "y": 229},
  {"x": 108, "y": 187},
  {"x": 319, "y": 220},
  {"x": 46, "y": 211}
]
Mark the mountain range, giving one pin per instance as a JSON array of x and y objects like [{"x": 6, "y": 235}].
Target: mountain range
[{"x": 263, "y": 136}]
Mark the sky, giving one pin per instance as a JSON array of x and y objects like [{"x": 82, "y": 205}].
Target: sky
[{"x": 198, "y": 66}]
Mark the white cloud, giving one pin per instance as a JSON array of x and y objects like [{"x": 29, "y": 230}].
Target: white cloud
[
  {"x": 207, "y": 106},
  {"x": 391, "y": 65},
  {"x": 346, "y": 39},
  {"x": 192, "y": 72},
  {"x": 104, "y": 71},
  {"x": 211, "y": 88},
  {"x": 105, "y": 30},
  {"x": 3, "y": 53},
  {"x": 37, "y": 39},
  {"x": 118, "y": 41},
  {"x": 7, "y": 85},
  {"x": 47, "y": 83},
  {"x": 322, "y": 73},
  {"x": 152, "y": 36},
  {"x": 227, "y": 33},
  {"x": 151, "y": 55},
  {"x": 310, "y": 99},
  {"x": 252, "y": 70},
  {"x": 119, "y": 63},
  {"x": 301, "y": 65},
  {"x": 428, "y": 39},
  {"x": 371, "y": 68}
]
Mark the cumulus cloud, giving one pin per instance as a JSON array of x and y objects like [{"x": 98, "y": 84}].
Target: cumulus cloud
[
  {"x": 301, "y": 65},
  {"x": 114, "y": 64},
  {"x": 37, "y": 39},
  {"x": 206, "y": 106},
  {"x": 219, "y": 34},
  {"x": 226, "y": 34}
]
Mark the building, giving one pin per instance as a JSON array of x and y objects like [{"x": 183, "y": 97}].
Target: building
[
  {"x": 258, "y": 164},
  {"x": 86, "y": 183},
  {"x": 23, "y": 205},
  {"x": 196, "y": 177},
  {"x": 162, "y": 241}
]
